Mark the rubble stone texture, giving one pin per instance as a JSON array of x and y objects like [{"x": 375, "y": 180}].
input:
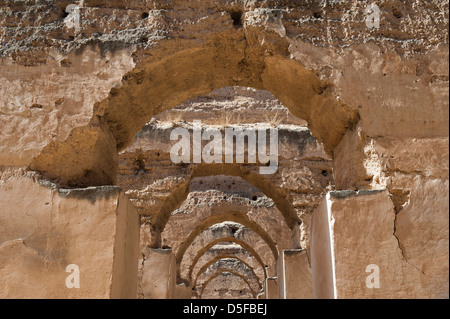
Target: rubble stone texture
[{"x": 89, "y": 98}]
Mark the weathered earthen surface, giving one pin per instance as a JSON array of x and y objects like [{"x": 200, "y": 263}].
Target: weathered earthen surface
[
  {"x": 94, "y": 104},
  {"x": 361, "y": 230},
  {"x": 48, "y": 229}
]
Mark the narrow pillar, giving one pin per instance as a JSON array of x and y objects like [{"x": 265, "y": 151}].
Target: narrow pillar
[
  {"x": 322, "y": 261},
  {"x": 182, "y": 291},
  {"x": 294, "y": 275},
  {"x": 159, "y": 274},
  {"x": 271, "y": 288}
]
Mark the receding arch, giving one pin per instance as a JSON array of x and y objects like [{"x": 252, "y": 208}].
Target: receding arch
[
  {"x": 180, "y": 193},
  {"x": 222, "y": 257},
  {"x": 177, "y": 75},
  {"x": 205, "y": 284},
  {"x": 244, "y": 271},
  {"x": 233, "y": 217},
  {"x": 244, "y": 245},
  {"x": 155, "y": 86},
  {"x": 265, "y": 214}
]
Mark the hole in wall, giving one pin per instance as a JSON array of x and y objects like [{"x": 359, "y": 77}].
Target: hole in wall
[
  {"x": 236, "y": 16},
  {"x": 234, "y": 230},
  {"x": 397, "y": 13},
  {"x": 65, "y": 63}
]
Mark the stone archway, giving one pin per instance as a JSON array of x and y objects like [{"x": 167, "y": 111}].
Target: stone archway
[
  {"x": 237, "y": 218},
  {"x": 245, "y": 246},
  {"x": 155, "y": 85},
  {"x": 376, "y": 99},
  {"x": 181, "y": 191},
  {"x": 227, "y": 271},
  {"x": 220, "y": 265},
  {"x": 158, "y": 84},
  {"x": 171, "y": 209},
  {"x": 222, "y": 257}
]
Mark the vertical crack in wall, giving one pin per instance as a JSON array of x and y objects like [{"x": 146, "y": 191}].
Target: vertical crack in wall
[{"x": 397, "y": 210}]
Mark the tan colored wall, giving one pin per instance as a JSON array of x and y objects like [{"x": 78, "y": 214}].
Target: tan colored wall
[
  {"x": 271, "y": 288},
  {"x": 159, "y": 274},
  {"x": 65, "y": 108},
  {"x": 44, "y": 229},
  {"x": 294, "y": 275},
  {"x": 321, "y": 254},
  {"x": 363, "y": 233},
  {"x": 126, "y": 248},
  {"x": 182, "y": 292}
]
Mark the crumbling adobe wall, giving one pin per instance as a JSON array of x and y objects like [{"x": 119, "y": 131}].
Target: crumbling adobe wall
[
  {"x": 197, "y": 205},
  {"x": 332, "y": 40},
  {"x": 72, "y": 98},
  {"x": 44, "y": 229}
]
